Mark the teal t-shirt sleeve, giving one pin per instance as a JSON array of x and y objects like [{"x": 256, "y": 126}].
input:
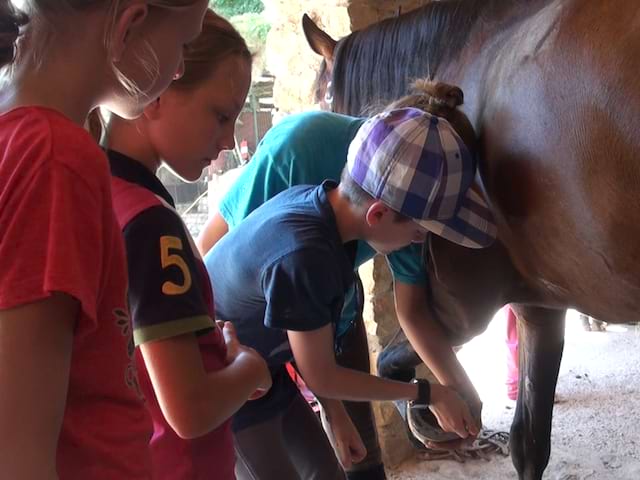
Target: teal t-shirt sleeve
[
  {"x": 246, "y": 194},
  {"x": 303, "y": 149},
  {"x": 259, "y": 182},
  {"x": 364, "y": 253},
  {"x": 407, "y": 265}
]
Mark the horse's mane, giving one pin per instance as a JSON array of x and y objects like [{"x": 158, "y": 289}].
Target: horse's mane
[{"x": 375, "y": 65}]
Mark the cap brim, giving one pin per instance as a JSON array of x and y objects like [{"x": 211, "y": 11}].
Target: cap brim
[{"x": 471, "y": 227}]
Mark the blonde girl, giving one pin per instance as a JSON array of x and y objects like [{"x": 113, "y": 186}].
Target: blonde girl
[{"x": 70, "y": 404}]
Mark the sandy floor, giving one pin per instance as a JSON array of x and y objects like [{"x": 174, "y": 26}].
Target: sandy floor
[{"x": 595, "y": 426}]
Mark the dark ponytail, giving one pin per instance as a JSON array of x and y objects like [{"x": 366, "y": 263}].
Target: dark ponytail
[{"x": 11, "y": 22}]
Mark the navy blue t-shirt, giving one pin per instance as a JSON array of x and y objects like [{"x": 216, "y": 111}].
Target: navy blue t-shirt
[{"x": 283, "y": 268}]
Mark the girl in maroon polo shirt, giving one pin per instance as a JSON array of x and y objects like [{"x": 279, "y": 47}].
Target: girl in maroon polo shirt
[{"x": 192, "y": 381}]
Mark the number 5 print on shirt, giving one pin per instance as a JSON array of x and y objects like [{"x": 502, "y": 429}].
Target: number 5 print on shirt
[{"x": 169, "y": 259}]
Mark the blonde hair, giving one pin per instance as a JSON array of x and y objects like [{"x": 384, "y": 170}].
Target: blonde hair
[
  {"x": 217, "y": 41},
  {"x": 37, "y": 23}
]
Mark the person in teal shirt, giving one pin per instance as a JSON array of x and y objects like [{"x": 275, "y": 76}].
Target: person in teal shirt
[{"x": 306, "y": 149}]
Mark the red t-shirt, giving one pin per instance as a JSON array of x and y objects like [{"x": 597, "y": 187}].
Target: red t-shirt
[
  {"x": 58, "y": 233},
  {"x": 169, "y": 295}
]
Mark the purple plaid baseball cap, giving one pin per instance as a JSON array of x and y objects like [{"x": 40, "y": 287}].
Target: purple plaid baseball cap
[{"x": 419, "y": 166}]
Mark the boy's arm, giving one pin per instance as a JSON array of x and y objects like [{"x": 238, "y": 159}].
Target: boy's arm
[
  {"x": 342, "y": 433},
  {"x": 313, "y": 352}
]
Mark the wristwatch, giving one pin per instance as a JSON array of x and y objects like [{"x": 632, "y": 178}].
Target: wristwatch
[{"x": 424, "y": 392}]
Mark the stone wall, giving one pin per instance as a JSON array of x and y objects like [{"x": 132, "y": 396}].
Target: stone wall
[
  {"x": 289, "y": 57},
  {"x": 295, "y": 67},
  {"x": 365, "y": 12}
]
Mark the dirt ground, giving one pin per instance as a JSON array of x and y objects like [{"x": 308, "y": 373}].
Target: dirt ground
[{"x": 595, "y": 424}]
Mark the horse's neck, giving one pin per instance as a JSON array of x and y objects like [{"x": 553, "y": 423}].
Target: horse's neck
[{"x": 488, "y": 41}]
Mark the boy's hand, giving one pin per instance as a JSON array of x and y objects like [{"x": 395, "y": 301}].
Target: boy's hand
[
  {"x": 344, "y": 438},
  {"x": 236, "y": 352},
  {"x": 452, "y": 412}
]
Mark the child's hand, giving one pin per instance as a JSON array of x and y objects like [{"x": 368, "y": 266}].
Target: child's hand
[
  {"x": 230, "y": 340},
  {"x": 452, "y": 412},
  {"x": 344, "y": 438},
  {"x": 238, "y": 352}
]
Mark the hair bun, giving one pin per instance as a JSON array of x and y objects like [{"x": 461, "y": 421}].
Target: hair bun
[
  {"x": 440, "y": 94},
  {"x": 442, "y": 100},
  {"x": 11, "y": 20}
]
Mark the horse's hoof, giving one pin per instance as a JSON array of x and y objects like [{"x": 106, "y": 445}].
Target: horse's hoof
[{"x": 424, "y": 426}]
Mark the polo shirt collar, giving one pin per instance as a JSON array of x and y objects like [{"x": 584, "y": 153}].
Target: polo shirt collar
[{"x": 132, "y": 171}]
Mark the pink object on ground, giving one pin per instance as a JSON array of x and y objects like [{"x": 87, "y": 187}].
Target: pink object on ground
[{"x": 512, "y": 353}]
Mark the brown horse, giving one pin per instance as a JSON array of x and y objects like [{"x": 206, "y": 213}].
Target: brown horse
[{"x": 553, "y": 90}]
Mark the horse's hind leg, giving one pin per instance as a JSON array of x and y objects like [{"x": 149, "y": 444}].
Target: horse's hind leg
[{"x": 541, "y": 341}]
